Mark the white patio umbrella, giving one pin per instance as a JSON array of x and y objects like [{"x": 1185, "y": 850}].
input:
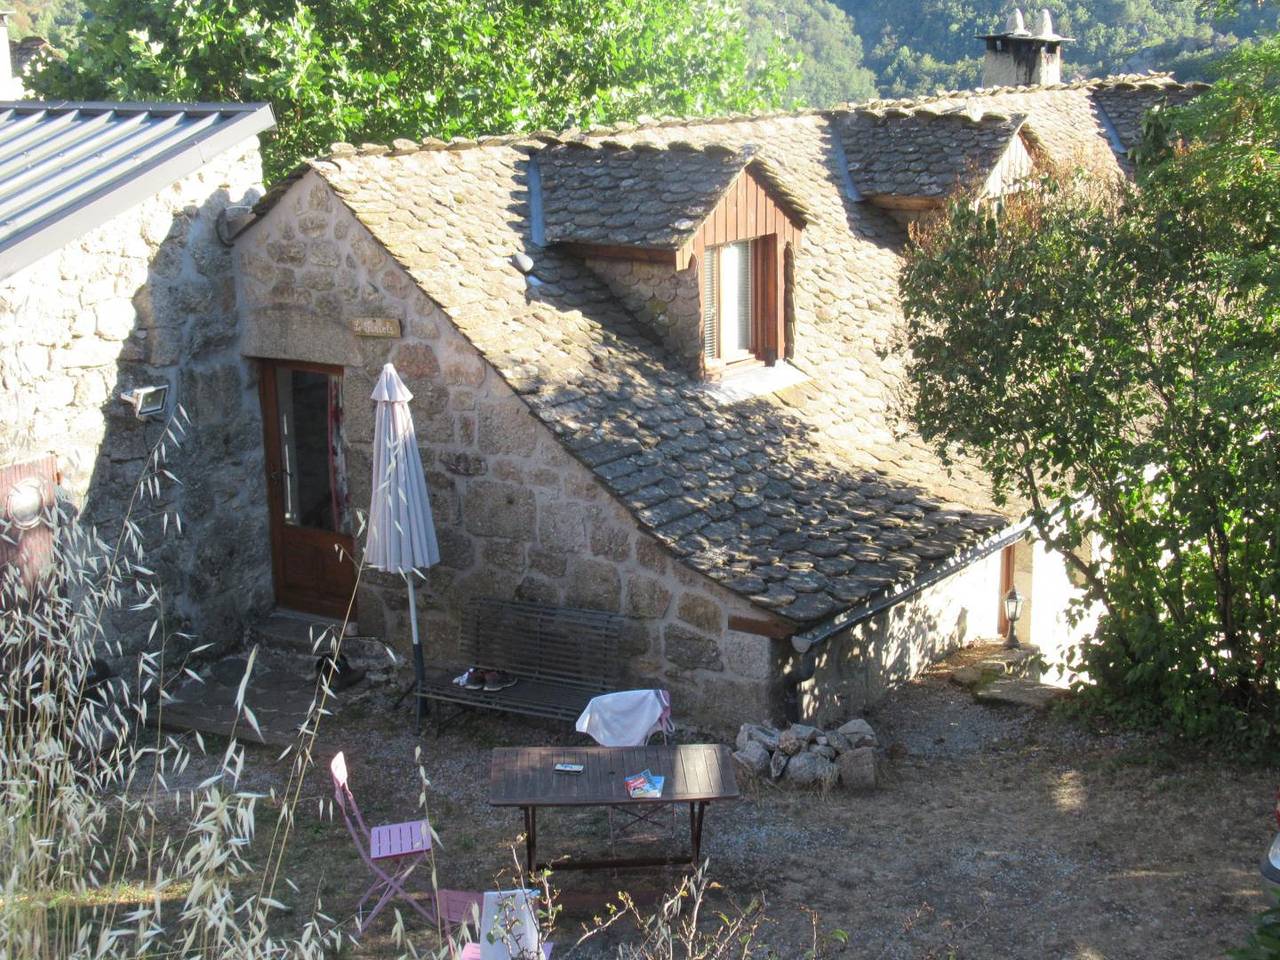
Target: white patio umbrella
[{"x": 402, "y": 537}]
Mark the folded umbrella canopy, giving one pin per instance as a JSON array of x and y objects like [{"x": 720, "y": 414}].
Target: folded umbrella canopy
[{"x": 402, "y": 537}]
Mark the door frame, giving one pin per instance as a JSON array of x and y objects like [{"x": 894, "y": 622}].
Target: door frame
[
  {"x": 1007, "y": 560},
  {"x": 273, "y": 475}
]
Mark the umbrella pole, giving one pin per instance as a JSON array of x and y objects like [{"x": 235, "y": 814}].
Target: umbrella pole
[{"x": 418, "y": 668}]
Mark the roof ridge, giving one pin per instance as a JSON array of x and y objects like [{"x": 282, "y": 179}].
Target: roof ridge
[
  {"x": 609, "y": 145},
  {"x": 959, "y": 112},
  {"x": 531, "y": 139},
  {"x": 1163, "y": 80}
]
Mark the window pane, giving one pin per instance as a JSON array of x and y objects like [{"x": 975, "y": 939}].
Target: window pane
[
  {"x": 735, "y": 300},
  {"x": 305, "y": 398}
]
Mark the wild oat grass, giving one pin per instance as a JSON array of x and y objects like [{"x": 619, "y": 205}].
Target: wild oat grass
[{"x": 103, "y": 855}]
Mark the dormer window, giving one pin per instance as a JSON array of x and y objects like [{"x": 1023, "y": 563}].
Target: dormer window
[
  {"x": 692, "y": 240},
  {"x": 728, "y": 322}
]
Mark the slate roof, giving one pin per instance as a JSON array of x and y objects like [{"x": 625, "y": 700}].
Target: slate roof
[
  {"x": 1126, "y": 104},
  {"x": 924, "y": 154},
  {"x": 641, "y": 195},
  {"x": 67, "y": 167},
  {"x": 810, "y": 502}
]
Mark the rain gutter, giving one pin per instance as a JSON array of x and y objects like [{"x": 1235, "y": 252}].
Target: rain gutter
[{"x": 806, "y": 640}]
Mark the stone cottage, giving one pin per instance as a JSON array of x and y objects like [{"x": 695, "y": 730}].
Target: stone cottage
[
  {"x": 653, "y": 373},
  {"x": 113, "y": 278}
]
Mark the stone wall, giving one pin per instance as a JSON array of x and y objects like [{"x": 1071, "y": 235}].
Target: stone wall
[
  {"x": 148, "y": 298},
  {"x": 856, "y": 668},
  {"x": 665, "y": 298},
  {"x": 516, "y": 515}
]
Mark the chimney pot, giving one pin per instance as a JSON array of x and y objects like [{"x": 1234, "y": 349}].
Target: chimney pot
[{"x": 1019, "y": 58}]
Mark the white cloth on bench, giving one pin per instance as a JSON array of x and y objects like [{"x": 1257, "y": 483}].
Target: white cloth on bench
[{"x": 626, "y": 718}]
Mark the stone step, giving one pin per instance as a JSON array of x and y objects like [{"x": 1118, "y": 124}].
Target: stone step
[
  {"x": 1018, "y": 692},
  {"x": 282, "y": 686},
  {"x": 987, "y": 662},
  {"x": 288, "y": 633}
]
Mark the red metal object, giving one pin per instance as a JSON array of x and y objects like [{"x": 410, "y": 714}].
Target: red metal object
[{"x": 27, "y": 502}]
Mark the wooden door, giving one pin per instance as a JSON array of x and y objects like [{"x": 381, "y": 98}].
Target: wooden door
[
  {"x": 1006, "y": 584},
  {"x": 312, "y": 548}
]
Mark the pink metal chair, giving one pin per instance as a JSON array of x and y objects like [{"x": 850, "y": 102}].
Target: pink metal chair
[{"x": 392, "y": 852}]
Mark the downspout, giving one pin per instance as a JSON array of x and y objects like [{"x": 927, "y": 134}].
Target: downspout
[{"x": 537, "y": 224}]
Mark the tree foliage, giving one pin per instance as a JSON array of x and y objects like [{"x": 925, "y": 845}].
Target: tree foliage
[
  {"x": 379, "y": 69},
  {"x": 55, "y": 20},
  {"x": 1111, "y": 353},
  {"x": 824, "y": 41}
]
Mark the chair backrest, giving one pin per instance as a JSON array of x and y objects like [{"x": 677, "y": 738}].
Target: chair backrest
[
  {"x": 510, "y": 917},
  {"x": 627, "y": 718},
  {"x": 563, "y": 645},
  {"x": 346, "y": 801}
]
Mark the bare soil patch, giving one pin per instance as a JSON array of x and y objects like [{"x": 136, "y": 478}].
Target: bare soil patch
[{"x": 997, "y": 833}]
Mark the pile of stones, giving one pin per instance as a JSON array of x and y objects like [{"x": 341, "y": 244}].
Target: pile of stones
[{"x": 805, "y": 755}]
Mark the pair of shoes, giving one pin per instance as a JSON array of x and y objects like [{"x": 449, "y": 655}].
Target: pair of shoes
[
  {"x": 497, "y": 680},
  {"x": 488, "y": 680}
]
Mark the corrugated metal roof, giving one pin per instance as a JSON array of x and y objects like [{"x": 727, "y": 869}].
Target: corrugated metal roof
[{"x": 68, "y": 167}]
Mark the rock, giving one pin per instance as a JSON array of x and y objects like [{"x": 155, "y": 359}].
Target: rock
[
  {"x": 778, "y": 764},
  {"x": 859, "y": 733},
  {"x": 858, "y": 768},
  {"x": 796, "y": 737},
  {"x": 754, "y": 732},
  {"x": 809, "y": 769},
  {"x": 753, "y": 759},
  {"x": 822, "y": 750},
  {"x": 1018, "y": 693},
  {"x": 766, "y": 736},
  {"x": 789, "y": 745},
  {"x": 839, "y": 742},
  {"x": 822, "y": 740}
]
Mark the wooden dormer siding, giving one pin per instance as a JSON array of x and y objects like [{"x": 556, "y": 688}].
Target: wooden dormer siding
[{"x": 748, "y": 211}]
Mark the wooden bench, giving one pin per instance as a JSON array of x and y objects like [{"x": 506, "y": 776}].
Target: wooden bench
[{"x": 561, "y": 657}]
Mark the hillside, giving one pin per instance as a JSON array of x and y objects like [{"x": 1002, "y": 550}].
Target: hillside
[{"x": 918, "y": 47}]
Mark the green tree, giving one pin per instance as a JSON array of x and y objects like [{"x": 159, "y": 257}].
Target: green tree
[
  {"x": 822, "y": 38},
  {"x": 1111, "y": 354},
  {"x": 380, "y": 69},
  {"x": 55, "y": 20}
]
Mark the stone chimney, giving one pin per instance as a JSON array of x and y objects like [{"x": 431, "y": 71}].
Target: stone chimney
[
  {"x": 1018, "y": 57},
  {"x": 10, "y": 86}
]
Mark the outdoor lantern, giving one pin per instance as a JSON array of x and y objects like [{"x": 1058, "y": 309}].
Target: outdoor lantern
[
  {"x": 147, "y": 401},
  {"x": 1012, "y": 611}
]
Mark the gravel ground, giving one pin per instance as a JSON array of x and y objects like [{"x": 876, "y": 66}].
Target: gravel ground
[{"x": 996, "y": 833}]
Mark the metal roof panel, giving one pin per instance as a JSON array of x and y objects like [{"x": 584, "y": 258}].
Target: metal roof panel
[{"x": 67, "y": 167}]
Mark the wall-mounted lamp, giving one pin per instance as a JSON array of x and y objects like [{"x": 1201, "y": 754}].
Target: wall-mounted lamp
[
  {"x": 24, "y": 503},
  {"x": 147, "y": 401},
  {"x": 1012, "y": 611}
]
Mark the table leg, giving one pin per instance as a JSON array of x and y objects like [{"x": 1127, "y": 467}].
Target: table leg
[
  {"x": 530, "y": 837},
  {"x": 696, "y": 812}
]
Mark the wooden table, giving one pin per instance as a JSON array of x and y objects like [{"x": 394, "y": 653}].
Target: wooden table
[{"x": 525, "y": 777}]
